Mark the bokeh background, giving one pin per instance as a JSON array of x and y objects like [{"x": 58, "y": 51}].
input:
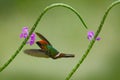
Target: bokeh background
[{"x": 64, "y": 30}]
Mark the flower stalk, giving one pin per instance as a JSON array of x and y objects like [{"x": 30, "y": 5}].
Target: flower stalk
[{"x": 93, "y": 40}]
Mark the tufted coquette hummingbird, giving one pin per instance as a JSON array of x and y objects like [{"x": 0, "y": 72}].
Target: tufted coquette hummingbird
[{"x": 46, "y": 50}]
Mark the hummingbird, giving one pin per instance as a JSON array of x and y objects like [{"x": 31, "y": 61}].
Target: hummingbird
[{"x": 46, "y": 50}]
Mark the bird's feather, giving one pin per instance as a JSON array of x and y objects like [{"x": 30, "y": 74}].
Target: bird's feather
[
  {"x": 36, "y": 53},
  {"x": 43, "y": 38}
]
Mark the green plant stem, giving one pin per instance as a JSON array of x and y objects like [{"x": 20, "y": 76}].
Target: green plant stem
[
  {"x": 93, "y": 40},
  {"x": 34, "y": 27}
]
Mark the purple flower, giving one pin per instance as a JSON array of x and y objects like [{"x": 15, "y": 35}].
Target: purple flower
[
  {"x": 32, "y": 39},
  {"x": 98, "y": 38},
  {"x": 25, "y": 33},
  {"x": 90, "y": 36}
]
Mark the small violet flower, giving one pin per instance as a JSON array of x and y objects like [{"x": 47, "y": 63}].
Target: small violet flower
[
  {"x": 90, "y": 36},
  {"x": 32, "y": 39},
  {"x": 25, "y": 33}
]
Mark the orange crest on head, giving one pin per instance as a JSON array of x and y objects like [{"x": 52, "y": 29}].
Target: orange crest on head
[{"x": 43, "y": 42}]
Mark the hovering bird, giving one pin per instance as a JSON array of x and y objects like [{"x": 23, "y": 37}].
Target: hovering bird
[{"x": 46, "y": 50}]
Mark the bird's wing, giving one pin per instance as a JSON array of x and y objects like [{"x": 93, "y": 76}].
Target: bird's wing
[
  {"x": 43, "y": 38},
  {"x": 36, "y": 53}
]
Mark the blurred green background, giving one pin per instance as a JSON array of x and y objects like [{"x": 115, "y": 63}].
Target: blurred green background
[{"x": 64, "y": 30}]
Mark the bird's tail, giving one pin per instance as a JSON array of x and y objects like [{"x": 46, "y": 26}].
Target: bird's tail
[{"x": 63, "y": 55}]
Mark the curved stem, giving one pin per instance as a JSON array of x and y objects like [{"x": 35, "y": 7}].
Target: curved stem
[
  {"x": 35, "y": 25},
  {"x": 93, "y": 40}
]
